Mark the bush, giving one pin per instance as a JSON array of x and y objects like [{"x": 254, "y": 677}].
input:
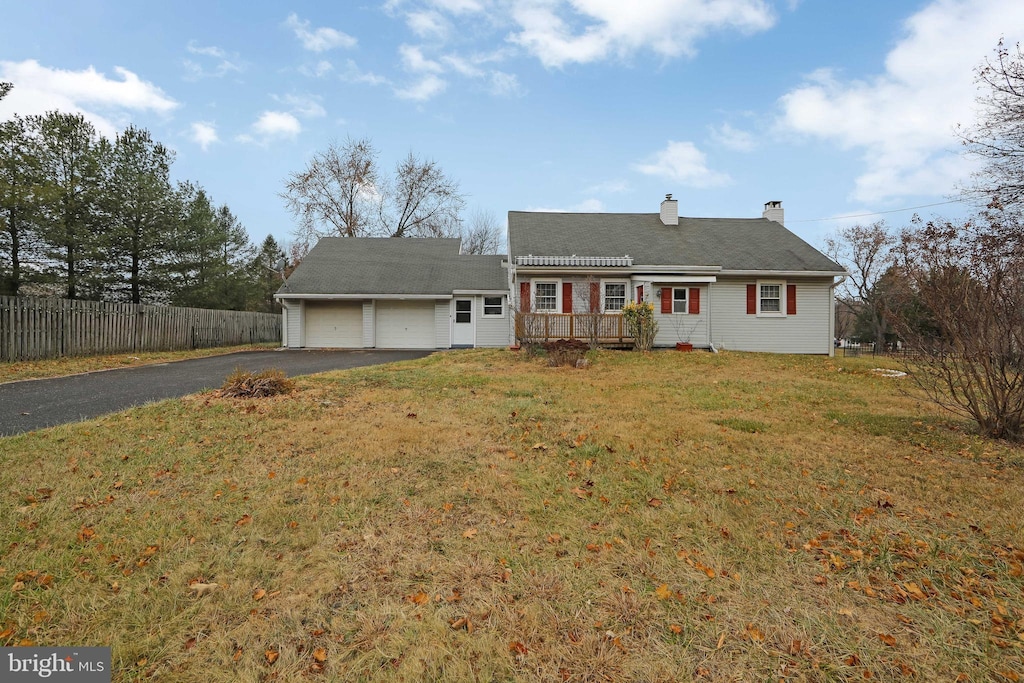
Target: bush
[
  {"x": 565, "y": 352},
  {"x": 245, "y": 384},
  {"x": 640, "y": 324}
]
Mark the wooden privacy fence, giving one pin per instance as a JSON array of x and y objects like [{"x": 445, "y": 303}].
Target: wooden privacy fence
[{"x": 35, "y": 328}]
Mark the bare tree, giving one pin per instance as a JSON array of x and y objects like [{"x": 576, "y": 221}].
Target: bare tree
[
  {"x": 421, "y": 201},
  {"x": 865, "y": 251},
  {"x": 483, "y": 235},
  {"x": 997, "y": 138},
  {"x": 342, "y": 193},
  {"x": 963, "y": 313},
  {"x": 336, "y": 194}
]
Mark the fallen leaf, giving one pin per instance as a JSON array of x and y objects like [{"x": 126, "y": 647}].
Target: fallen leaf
[
  {"x": 259, "y": 594},
  {"x": 190, "y": 643},
  {"x": 675, "y": 628},
  {"x": 420, "y": 598},
  {"x": 755, "y": 633},
  {"x": 517, "y": 647},
  {"x": 663, "y": 592},
  {"x": 654, "y": 502},
  {"x": 540, "y": 447},
  {"x": 469, "y": 533},
  {"x": 201, "y": 589},
  {"x": 238, "y": 654},
  {"x": 320, "y": 655},
  {"x": 887, "y": 639},
  {"x": 243, "y": 520},
  {"x": 271, "y": 656}
]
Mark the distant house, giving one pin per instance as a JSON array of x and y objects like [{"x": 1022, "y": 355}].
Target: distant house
[
  {"x": 395, "y": 293},
  {"x": 726, "y": 283}
]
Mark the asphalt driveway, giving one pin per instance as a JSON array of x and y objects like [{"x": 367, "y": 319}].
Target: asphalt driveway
[{"x": 36, "y": 404}]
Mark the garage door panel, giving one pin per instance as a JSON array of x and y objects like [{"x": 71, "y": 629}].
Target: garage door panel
[
  {"x": 334, "y": 325},
  {"x": 405, "y": 325}
]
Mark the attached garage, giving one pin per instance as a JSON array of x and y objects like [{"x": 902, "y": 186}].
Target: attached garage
[
  {"x": 334, "y": 324},
  {"x": 405, "y": 325}
]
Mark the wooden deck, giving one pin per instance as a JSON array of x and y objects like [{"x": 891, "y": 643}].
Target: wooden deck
[{"x": 607, "y": 329}]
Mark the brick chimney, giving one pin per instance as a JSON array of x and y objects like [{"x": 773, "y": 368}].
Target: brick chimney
[
  {"x": 773, "y": 212},
  {"x": 670, "y": 211}
]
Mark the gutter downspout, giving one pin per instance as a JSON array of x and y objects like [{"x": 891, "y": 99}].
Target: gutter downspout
[
  {"x": 832, "y": 315},
  {"x": 711, "y": 313}
]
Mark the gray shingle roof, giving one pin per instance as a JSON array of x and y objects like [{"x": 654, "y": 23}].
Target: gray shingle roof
[
  {"x": 732, "y": 243},
  {"x": 381, "y": 265}
]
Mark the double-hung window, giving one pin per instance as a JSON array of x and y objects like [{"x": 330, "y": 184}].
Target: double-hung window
[
  {"x": 679, "y": 301},
  {"x": 545, "y": 297},
  {"x": 493, "y": 307},
  {"x": 770, "y": 298},
  {"x": 614, "y": 296}
]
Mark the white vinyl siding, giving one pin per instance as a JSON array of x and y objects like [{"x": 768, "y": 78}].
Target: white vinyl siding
[
  {"x": 442, "y": 325},
  {"x": 294, "y": 321},
  {"x": 334, "y": 324},
  {"x": 493, "y": 331},
  {"x": 806, "y": 332},
  {"x": 368, "y": 318},
  {"x": 405, "y": 324},
  {"x": 676, "y": 327}
]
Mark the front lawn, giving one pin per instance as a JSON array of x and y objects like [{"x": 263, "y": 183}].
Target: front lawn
[{"x": 479, "y": 516}]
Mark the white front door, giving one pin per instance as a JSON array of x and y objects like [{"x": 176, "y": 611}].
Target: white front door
[{"x": 464, "y": 328}]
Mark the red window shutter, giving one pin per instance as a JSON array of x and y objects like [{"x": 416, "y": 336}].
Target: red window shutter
[
  {"x": 595, "y": 297},
  {"x": 666, "y": 299},
  {"x": 790, "y": 299},
  {"x": 524, "y": 296},
  {"x": 694, "y": 300},
  {"x": 566, "y": 297},
  {"x": 751, "y": 299},
  {"x": 640, "y": 293}
]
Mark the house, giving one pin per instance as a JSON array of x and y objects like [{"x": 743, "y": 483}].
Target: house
[
  {"x": 745, "y": 284},
  {"x": 395, "y": 293}
]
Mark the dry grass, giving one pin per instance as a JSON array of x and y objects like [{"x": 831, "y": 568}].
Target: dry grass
[
  {"x": 74, "y": 365},
  {"x": 479, "y": 516}
]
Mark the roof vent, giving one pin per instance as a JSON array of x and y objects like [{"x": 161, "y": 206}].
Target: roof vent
[{"x": 669, "y": 211}]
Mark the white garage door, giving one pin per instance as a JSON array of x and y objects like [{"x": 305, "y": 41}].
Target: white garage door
[
  {"x": 334, "y": 324},
  {"x": 405, "y": 325}
]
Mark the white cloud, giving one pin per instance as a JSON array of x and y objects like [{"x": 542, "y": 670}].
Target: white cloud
[
  {"x": 459, "y": 6},
  {"x": 304, "y": 105},
  {"x": 506, "y": 85},
  {"x": 463, "y": 66},
  {"x": 733, "y": 138},
  {"x": 196, "y": 70},
  {"x": 319, "y": 39},
  {"x": 609, "y": 187},
  {"x": 413, "y": 60},
  {"x": 902, "y": 120},
  {"x": 422, "y": 90},
  {"x": 272, "y": 125},
  {"x": 210, "y": 51},
  {"x": 560, "y": 32},
  {"x": 204, "y": 134},
  {"x": 427, "y": 24},
  {"x": 318, "y": 70},
  {"x": 39, "y": 89},
  {"x": 683, "y": 163},
  {"x": 353, "y": 74}
]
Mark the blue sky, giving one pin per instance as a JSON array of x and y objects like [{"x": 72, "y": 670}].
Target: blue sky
[{"x": 835, "y": 108}]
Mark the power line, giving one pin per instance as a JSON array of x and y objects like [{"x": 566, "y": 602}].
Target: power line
[{"x": 878, "y": 213}]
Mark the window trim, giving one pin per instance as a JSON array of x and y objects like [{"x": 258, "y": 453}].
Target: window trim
[
  {"x": 685, "y": 300},
  {"x": 781, "y": 313},
  {"x": 471, "y": 311},
  {"x": 557, "y": 282},
  {"x": 626, "y": 295},
  {"x": 501, "y": 305}
]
